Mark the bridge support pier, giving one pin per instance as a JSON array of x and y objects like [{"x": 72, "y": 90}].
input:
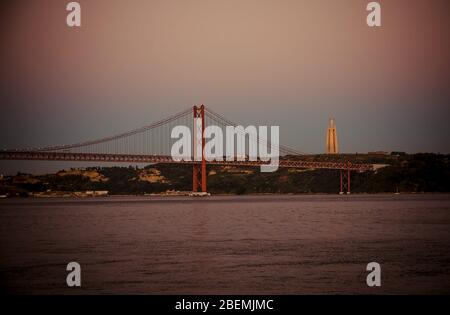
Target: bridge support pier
[
  {"x": 199, "y": 170},
  {"x": 344, "y": 175},
  {"x": 199, "y": 144}
]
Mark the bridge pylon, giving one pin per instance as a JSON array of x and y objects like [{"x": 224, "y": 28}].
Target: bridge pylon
[
  {"x": 199, "y": 168},
  {"x": 344, "y": 176}
]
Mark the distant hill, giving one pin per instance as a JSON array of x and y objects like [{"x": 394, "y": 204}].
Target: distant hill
[{"x": 395, "y": 172}]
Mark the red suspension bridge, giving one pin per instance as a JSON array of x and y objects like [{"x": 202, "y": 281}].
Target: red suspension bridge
[{"x": 152, "y": 144}]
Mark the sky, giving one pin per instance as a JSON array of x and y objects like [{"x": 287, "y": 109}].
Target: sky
[{"x": 292, "y": 63}]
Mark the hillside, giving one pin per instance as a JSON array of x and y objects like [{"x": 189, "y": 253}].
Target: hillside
[{"x": 397, "y": 172}]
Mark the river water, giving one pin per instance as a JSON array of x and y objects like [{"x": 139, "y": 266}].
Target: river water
[{"x": 226, "y": 244}]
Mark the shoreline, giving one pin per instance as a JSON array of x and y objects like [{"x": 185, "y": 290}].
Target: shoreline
[{"x": 69, "y": 195}]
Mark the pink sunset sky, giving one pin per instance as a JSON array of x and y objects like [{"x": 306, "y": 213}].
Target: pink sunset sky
[{"x": 279, "y": 62}]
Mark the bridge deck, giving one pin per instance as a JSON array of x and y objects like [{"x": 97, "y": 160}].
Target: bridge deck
[{"x": 163, "y": 159}]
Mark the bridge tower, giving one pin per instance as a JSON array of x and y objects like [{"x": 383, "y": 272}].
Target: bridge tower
[{"x": 198, "y": 141}]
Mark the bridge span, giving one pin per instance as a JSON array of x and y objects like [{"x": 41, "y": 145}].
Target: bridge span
[
  {"x": 149, "y": 144},
  {"x": 165, "y": 159}
]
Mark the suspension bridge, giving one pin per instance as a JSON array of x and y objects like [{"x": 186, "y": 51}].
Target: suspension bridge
[{"x": 152, "y": 144}]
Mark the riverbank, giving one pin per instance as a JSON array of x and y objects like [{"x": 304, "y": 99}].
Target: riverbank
[
  {"x": 404, "y": 173},
  {"x": 65, "y": 195}
]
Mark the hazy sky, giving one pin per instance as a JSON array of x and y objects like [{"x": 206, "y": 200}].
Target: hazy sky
[{"x": 290, "y": 63}]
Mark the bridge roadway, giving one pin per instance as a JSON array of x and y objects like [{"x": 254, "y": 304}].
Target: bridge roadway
[{"x": 164, "y": 159}]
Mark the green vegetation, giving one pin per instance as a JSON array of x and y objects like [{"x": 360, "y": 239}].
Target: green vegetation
[{"x": 397, "y": 172}]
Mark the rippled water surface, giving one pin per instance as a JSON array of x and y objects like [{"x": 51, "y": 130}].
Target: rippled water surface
[{"x": 226, "y": 244}]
